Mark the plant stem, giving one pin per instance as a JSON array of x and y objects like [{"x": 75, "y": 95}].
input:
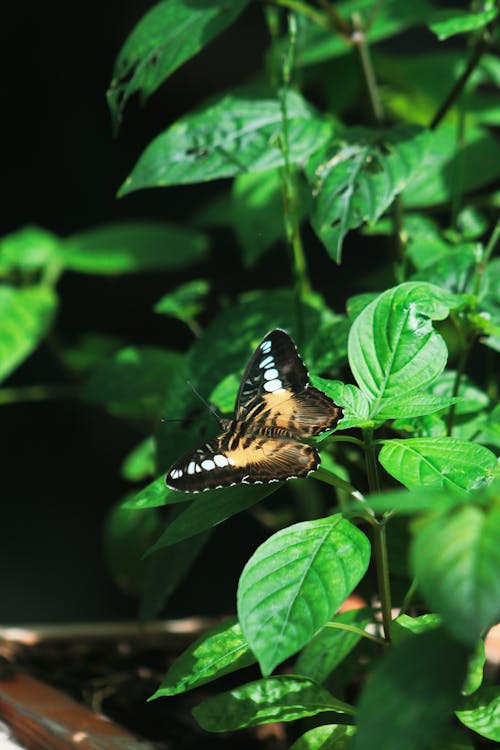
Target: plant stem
[
  {"x": 384, "y": 587},
  {"x": 337, "y": 22},
  {"x": 477, "y": 53},
  {"x": 371, "y": 460},
  {"x": 346, "y": 439},
  {"x": 358, "y": 631},
  {"x": 408, "y": 597},
  {"x": 359, "y": 38},
  {"x": 289, "y": 188},
  {"x": 19, "y": 394},
  {"x": 462, "y": 362},
  {"x": 495, "y": 236},
  {"x": 305, "y": 10}
]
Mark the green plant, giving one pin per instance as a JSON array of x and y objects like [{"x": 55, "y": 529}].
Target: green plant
[{"x": 411, "y": 161}]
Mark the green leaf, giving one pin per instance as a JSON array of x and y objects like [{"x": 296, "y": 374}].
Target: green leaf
[
  {"x": 165, "y": 571},
  {"x": 474, "y": 677},
  {"x": 224, "y": 394},
  {"x": 295, "y": 581},
  {"x": 453, "y": 272},
  {"x": 283, "y": 698},
  {"x": 415, "y": 405},
  {"x": 420, "y": 500},
  {"x": 155, "y": 494},
  {"x": 129, "y": 247},
  {"x": 133, "y": 382},
  {"x": 185, "y": 302},
  {"x": 212, "y": 508},
  {"x": 450, "y": 463},
  {"x": 29, "y": 249},
  {"x": 328, "y": 648},
  {"x": 471, "y": 399},
  {"x": 481, "y": 712},
  {"x": 239, "y": 133},
  {"x": 25, "y": 317},
  {"x": 170, "y": 33},
  {"x": 220, "y": 651},
  {"x": 140, "y": 462},
  {"x": 411, "y": 693},
  {"x": 393, "y": 349},
  {"x": 404, "y": 626},
  {"x": 326, "y": 737},
  {"x": 353, "y": 401},
  {"x": 89, "y": 349},
  {"x": 456, "y": 559},
  {"x": 357, "y": 178},
  {"x": 477, "y": 161},
  {"x": 452, "y": 21},
  {"x": 316, "y": 43}
]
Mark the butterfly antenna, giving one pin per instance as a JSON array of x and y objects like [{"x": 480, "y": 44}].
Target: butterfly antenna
[{"x": 203, "y": 401}]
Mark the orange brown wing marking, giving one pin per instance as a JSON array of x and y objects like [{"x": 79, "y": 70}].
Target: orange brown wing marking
[
  {"x": 303, "y": 415},
  {"x": 268, "y": 459}
]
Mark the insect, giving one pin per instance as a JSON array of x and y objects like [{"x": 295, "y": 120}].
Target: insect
[{"x": 276, "y": 408}]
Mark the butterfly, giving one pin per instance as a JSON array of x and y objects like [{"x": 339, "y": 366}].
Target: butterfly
[{"x": 276, "y": 408}]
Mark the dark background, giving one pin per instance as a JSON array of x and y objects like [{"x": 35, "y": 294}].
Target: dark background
[{"x": 61, "y": 169}]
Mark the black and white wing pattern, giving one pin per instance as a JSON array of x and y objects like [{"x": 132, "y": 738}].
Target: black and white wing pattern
[{"x": 276, "y": 408}]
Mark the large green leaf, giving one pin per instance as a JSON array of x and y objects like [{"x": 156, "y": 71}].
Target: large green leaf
[
  {"x": 133, "y": 382},
  {"x": 25, "y": 317},
  {"x": 212, "y": 508},
  {"x": 393, "y": 349},
  {"x": 353, "y": 401},
  {"x": 328, "y": 648},
  {"x": 481, "y": 712},
  {"x": 170, "y": 33},
  {"x": 238, "y": 133},
  {"x": 456, "y": 559},
  {"x": 453, "y": 464},
  {"x": 414, "y": 405},
  {"x": 294, "y": 582},
  {"x": 155, "y": 494},
  {"x": 411, "y": 693},
  {"x": 220, "y": 651},
  {"x": 133, "y": 246},
  {"x": 283, "y": 698},
  {"x": 326, "y": 737},
  {"x": 452, "y": 21},
  {"x": 357, "y": 177}
]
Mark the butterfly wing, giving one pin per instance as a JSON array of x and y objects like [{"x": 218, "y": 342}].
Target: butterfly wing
[
  {"x": 275, "y": 391},
  {"x": 255, "y": 460}
]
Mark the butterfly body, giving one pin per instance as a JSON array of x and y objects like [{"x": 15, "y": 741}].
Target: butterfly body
[{"x": 276, "y": 409}]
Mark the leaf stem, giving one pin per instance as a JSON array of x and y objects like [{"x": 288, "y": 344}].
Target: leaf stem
[
  {"x": 371, "y": 460},
  {"x": 19, "y": 394},
  {"x": 359, "y": 38},
  {"x": 358, "y": 631},
  {"x": 408, "y": 597},
  {"x": 462, "y": 362},
  {"x": 384, "y": 587}
]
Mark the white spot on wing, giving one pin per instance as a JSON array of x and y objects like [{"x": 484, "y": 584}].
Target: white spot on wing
[
  {"x": 220, "y": 460},
  {"x": 191, "y": 467},
  {"x": 273, "y": 386},
  {"x": 207, "y": 464},
  {"x": 271, "y": 374},
  {"x": 267, "y": 362},
  {"x": 266, "y": 346}
]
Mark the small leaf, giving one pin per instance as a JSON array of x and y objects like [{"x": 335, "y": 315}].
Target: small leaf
[
  {"x": 25, "y": 317},
  {"x": 481, "y": 712},
  {"x": 357, "y": 179},
  {"x": 456, "y": 559},
  {"x": 393, "y": 349},
  {"x": 140, "y": 462},
  {"x": 474, "y": 678},
  {"x": 155, "y": 494},
  {"x": 352, "y": 400},
  {"x": 220, "y": 651},
  {"x": 283, "y": 698},
  {"x": 328, "y": 648},
  {"x": 456, "y": 465},
  {"x": 452, "y": 21},
  {"x": 170, "y": 33},
  {"x": 326, "y": 737},
  {"x": 237, "y": 134},
  {"x": 294, "y": 582},
  {"x": 29, "y": 249},
  {"x": 404, "y": 626},
  {"x": 185, "y": 302},
  {"x": 129, "y": 247},
  {"x": 133, "y": 382},
  {"x": 411, "y": 693}
]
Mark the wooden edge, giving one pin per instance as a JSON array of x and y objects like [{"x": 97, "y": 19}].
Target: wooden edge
[{"x": 43, "y": 718}]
